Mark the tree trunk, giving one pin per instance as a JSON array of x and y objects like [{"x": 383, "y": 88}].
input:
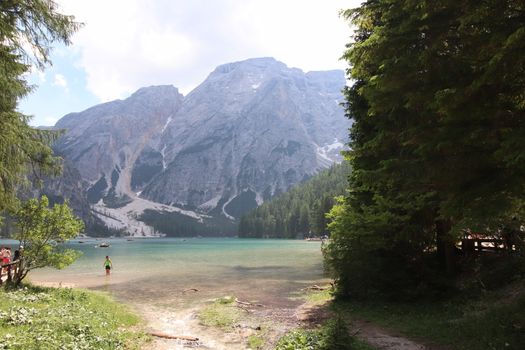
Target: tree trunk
[
  {"x": 20, "y": 272},
  {"x": 446, "y": 249}
]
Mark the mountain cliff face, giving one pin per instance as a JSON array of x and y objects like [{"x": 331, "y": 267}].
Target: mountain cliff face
[
  {"x": 105, "y": 141},
  {"x": 70, "y": 187},
  {"x": 251, "y": 130}
]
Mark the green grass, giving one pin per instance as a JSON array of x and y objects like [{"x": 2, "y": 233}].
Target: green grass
[
  {"x": 220, "y": 314},
  {"x": 299, "y": 339},
  {"x": 333, "y": 335},
  {"x": 48, "y": 318},
  {"x": 493, "y": 321},
  {"x": 318, "y": 297},
  {"x": 255, "y": 341},
  {"x": 224, "y": 314}
]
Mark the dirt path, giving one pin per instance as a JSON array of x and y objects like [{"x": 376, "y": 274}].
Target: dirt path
[
  {"x": 181, "y": 323},
  {"x": 275, "y": 321},
  {"x": 385, "y": 339},
  {"x": 185, "y": 323}
]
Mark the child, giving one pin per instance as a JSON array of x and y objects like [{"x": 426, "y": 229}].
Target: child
[{"x": 108, "y": 265}]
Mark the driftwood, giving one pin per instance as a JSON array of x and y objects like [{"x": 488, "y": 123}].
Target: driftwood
[
  {"x": 171, "y": 336},
  {"x": 247, "y": 303},
  {"x": 190, "y": 290},
  {"x": 315, "y": 287}
]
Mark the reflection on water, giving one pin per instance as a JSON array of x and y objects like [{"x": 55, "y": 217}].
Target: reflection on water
[{"x": 165, "y": 271}]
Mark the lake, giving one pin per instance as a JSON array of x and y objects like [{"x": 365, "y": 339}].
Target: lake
[
  {"x": 168, "y": 280},
  {"x": 160, "y": 271}
]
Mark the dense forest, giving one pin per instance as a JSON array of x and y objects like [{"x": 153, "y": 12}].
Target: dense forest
[
  {"x": 27, "y": 32},
  {"x": 437, "y": 146},
  {"x": 299, "y": 212},
  {"x": 174, "y": 224}
]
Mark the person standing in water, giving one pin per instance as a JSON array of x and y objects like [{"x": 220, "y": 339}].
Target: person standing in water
[{"x": 108, "y": 265}]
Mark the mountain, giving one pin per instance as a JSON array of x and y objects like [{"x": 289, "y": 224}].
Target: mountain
[
  {"x": 70, "y": 187},
  {"x": 106, "y": 141},
  {"x": 250, "y": 131}
]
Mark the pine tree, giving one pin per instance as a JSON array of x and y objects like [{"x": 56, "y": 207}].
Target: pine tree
[
  {"x": 301, "y": 210},
  {"x": 24, "y": 149},
  {"x": 437, "y": 138}
]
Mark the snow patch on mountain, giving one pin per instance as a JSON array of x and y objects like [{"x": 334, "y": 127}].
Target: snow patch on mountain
[
  {"x": 330, "y": 152},
  {"x": 166, "y": 125},
  {"x": 163, "y": 154},
  {"x": 224, "y": 211},
  {"x": 212, "y": 203},
  {"x": 126, "y": 217}
]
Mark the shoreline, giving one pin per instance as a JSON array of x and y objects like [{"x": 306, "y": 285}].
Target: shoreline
[
  {"x": 268, "y": 321},
  {"x": 168, "y": 282}
]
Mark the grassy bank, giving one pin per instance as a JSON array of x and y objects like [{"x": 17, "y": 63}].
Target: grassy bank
[
  {"x": 333, "y": 335},
  {"x": 222, "y": 314},
  {"x": 48, "y": 318},
  {"x": 492, "y": 320}
]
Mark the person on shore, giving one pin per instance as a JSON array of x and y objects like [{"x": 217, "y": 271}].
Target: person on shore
[
  {"x": 6, "y": 257},
  {"x": 2, "y": 254},
  {"x": 108, "y": 264}
]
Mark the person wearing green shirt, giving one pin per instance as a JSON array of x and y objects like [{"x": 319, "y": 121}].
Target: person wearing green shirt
[{"x": 108, "y": 264}]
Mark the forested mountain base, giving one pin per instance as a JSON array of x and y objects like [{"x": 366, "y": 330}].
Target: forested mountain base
[
  {"x": 299, "y": 212},
  {"x": 173, "y": 224}
]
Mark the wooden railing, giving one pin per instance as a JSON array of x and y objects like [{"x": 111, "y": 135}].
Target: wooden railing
[{"x": 486, "y": 244}]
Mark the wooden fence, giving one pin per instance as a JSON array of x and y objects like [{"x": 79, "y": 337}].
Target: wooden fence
[{"x": 470, "y": 245}]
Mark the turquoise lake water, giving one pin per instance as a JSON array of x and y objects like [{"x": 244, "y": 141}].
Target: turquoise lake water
[{"x": 164, "y": 271}]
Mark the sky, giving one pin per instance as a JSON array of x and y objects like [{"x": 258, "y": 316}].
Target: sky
[{"x": 128, "y": 44}]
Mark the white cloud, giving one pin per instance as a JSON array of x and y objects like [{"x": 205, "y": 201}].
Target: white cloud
[
  {"x": 41, "y": 76},
  {"x": 127, "y": 44},
  {"x": 35, "y": 75},
  {"x": 60, "y": 80},
  {"x": 50, "y": 120}
]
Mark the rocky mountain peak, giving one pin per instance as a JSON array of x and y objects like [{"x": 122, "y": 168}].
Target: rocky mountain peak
[
  {"x": 245, "y": 77},
  {"x": 253, "y": 64},
  {"x": 251, "y": 130},
  {"x": 155, "y": 92}
]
